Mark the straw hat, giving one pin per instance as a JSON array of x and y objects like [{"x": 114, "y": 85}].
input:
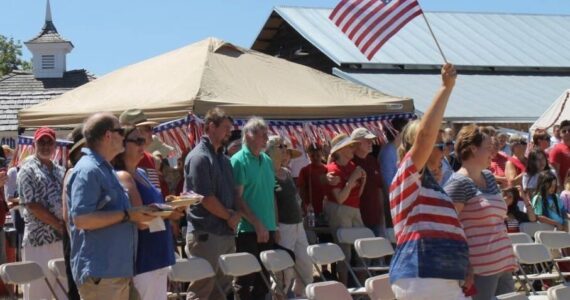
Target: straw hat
[
  {"x": 135, "y": 117},
  {"x": 341, "y": 141},
  {"x": 294, "y": 153},
  {"x": 158, "y": 145}
]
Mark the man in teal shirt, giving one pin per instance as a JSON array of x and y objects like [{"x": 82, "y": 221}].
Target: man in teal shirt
[{"x": 255, "y": 183}]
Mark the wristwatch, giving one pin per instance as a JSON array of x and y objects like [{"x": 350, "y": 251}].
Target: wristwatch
[{"x": 126, "y": 217}]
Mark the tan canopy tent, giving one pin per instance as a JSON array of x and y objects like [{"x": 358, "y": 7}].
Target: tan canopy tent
[
  {"x": 556, "y": 113},
  {"x": 215, "y": 73}
]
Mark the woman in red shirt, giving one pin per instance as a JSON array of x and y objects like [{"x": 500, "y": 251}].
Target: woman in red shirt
[{"x": 342, "y": 208}]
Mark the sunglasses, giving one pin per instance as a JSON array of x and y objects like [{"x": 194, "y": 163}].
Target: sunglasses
[
  {"x": 138, "y": 141},
  {"x": 439, "y": 146},
  {"x": 46, "y": 142},
  {"x": 282, "y": 146},
  {"x": 120, "y": 131}
]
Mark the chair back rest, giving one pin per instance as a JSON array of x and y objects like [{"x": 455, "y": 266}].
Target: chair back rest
[
  {"x": 238, "y": 264},
  {"x": 391, "y": 235},
  {"x": 379, "y": 288},
  {"x": 276, "y": 260},
  {"x": 57, "y": 267},
  {"x": 531, "y": 253},
  {"x": 373, "y": 247},
  {"x": 325, "y": 254},
  {"x": 350, "y": 235},
  {"x": 21, "y": 272},
  {"x": 327, "y": 290},
  {"x": 559, "y": 292},
  {"x": 553, "y": 239},
  {"x": 190, "y": 270},
  {"x": 512, "y": 296},
  {"x": 531, "y": 227},
  {"x": 520, "y": 238}
]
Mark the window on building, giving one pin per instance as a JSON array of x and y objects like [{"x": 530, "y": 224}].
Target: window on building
[{"x": 48, "y": 62}]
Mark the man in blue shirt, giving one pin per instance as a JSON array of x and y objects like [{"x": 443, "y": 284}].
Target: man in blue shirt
[{"x": 100, "y": 215}]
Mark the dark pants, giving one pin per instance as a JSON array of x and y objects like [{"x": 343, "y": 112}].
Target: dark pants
[
  {"x": 252, "y": 286},
  {"x": 72, "y": 293}
]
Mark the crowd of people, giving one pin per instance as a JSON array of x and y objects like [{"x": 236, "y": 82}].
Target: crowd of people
[{"x": 450, "y": 198}]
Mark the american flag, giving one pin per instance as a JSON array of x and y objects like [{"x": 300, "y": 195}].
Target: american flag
[{"x": 371, "y": 23}]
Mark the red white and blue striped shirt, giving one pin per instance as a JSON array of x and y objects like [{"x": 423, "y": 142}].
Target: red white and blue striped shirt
[{"x": 430, "y": 239}]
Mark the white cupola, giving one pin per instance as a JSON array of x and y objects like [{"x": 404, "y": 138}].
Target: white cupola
[{"x": 49, "y": 50}]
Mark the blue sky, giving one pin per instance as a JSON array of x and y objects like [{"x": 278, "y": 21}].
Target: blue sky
[{"x": 109, "y": 34}]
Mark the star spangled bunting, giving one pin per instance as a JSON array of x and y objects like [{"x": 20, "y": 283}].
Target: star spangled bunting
[{"x": 369, "y": 24}]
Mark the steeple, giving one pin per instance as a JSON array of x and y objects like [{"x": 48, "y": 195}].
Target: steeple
[
  {"x": 48, "y": 12},
  {"x": 49, "y": 50}
]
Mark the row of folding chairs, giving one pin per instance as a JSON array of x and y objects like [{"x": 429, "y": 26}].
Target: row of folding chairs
[
  {"x": 24, "y": 272},
  {"x": 275, "y": 261},
  {"x": 559, "y": 292},
  {"x": 541, "y": 256}
]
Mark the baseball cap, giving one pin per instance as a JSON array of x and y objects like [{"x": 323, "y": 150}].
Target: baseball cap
[{"x": 44, "y": 131}]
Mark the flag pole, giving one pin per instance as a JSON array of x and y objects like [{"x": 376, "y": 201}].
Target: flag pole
[{"x": 433, "y": 35}]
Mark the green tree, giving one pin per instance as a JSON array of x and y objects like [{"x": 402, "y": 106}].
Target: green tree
[{"x": 11, "y": 56}]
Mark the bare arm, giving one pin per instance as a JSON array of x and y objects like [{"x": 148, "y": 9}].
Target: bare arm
[
  {"x": 129, "y": 183},
  {"x": 431, "y": 121},
  {"x": 44, "y": 215},
  {"x": 511, "y": 174},
  {"x": 244, "y": 208},
  {"x": 260, "y": 230}
]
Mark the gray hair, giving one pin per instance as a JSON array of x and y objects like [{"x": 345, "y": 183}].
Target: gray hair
[{"x": 253, "y": 125}]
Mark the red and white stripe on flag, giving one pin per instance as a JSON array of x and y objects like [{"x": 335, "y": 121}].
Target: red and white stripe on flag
[{"x": 369, "y": 24}]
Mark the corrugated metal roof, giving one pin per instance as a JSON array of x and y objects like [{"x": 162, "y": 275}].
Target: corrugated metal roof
[
  {"x": 476, "y": 98},
  {"x": 467, "y": 39}
]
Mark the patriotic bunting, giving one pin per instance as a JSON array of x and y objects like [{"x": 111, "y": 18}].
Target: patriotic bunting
[{"x": 184, "y": 133}]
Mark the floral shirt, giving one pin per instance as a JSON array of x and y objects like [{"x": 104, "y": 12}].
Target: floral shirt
[{"x": 38, "y": 184}]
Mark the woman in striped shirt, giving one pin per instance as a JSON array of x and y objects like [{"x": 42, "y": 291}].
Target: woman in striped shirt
[
  {"x": 482, "y": 211},
  {"x": 431, "y": 258}
]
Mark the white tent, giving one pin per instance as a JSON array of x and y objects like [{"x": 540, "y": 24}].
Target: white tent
[{"x": 556, "y": 113}]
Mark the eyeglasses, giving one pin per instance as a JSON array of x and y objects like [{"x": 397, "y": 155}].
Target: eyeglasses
[
  {"x": 450, "y": 143},
  {"x": 120, "y": 131},
  {"x": 138, "y": 141}
]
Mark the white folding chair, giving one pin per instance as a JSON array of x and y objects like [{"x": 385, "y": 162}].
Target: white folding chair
[
  {"x": 379, "y": 288},
  {"x": 326, "y": 254},
  {"x": 531, "y": 227},
  {"x": 241, "y": 264},
  {"x": 57, "y": 268},
  {"x": 513, "y": 296},
  {"x": 537, "y": 256},
  {"x": 520, "y": 238},
  {"x": 559, "y": 292},
  {"x": 327, "y": 290},
  {"x": 189, "y": 270},
  {"x": 373, "y": 248},
  {"x": 554, "y": 240},
  {"x": 276, "y": 261},
  {"x": 348, "y": 236},
  {"x": 22, "y": 273}
]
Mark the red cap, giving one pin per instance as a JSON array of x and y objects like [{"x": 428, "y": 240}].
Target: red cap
[{"x": 44, "y": 131}]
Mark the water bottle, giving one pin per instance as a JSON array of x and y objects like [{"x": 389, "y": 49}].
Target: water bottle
[{"x": 310, "y": 216}]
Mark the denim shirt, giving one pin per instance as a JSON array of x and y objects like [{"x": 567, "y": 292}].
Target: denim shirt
[{"x": 107, "y": 252}]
